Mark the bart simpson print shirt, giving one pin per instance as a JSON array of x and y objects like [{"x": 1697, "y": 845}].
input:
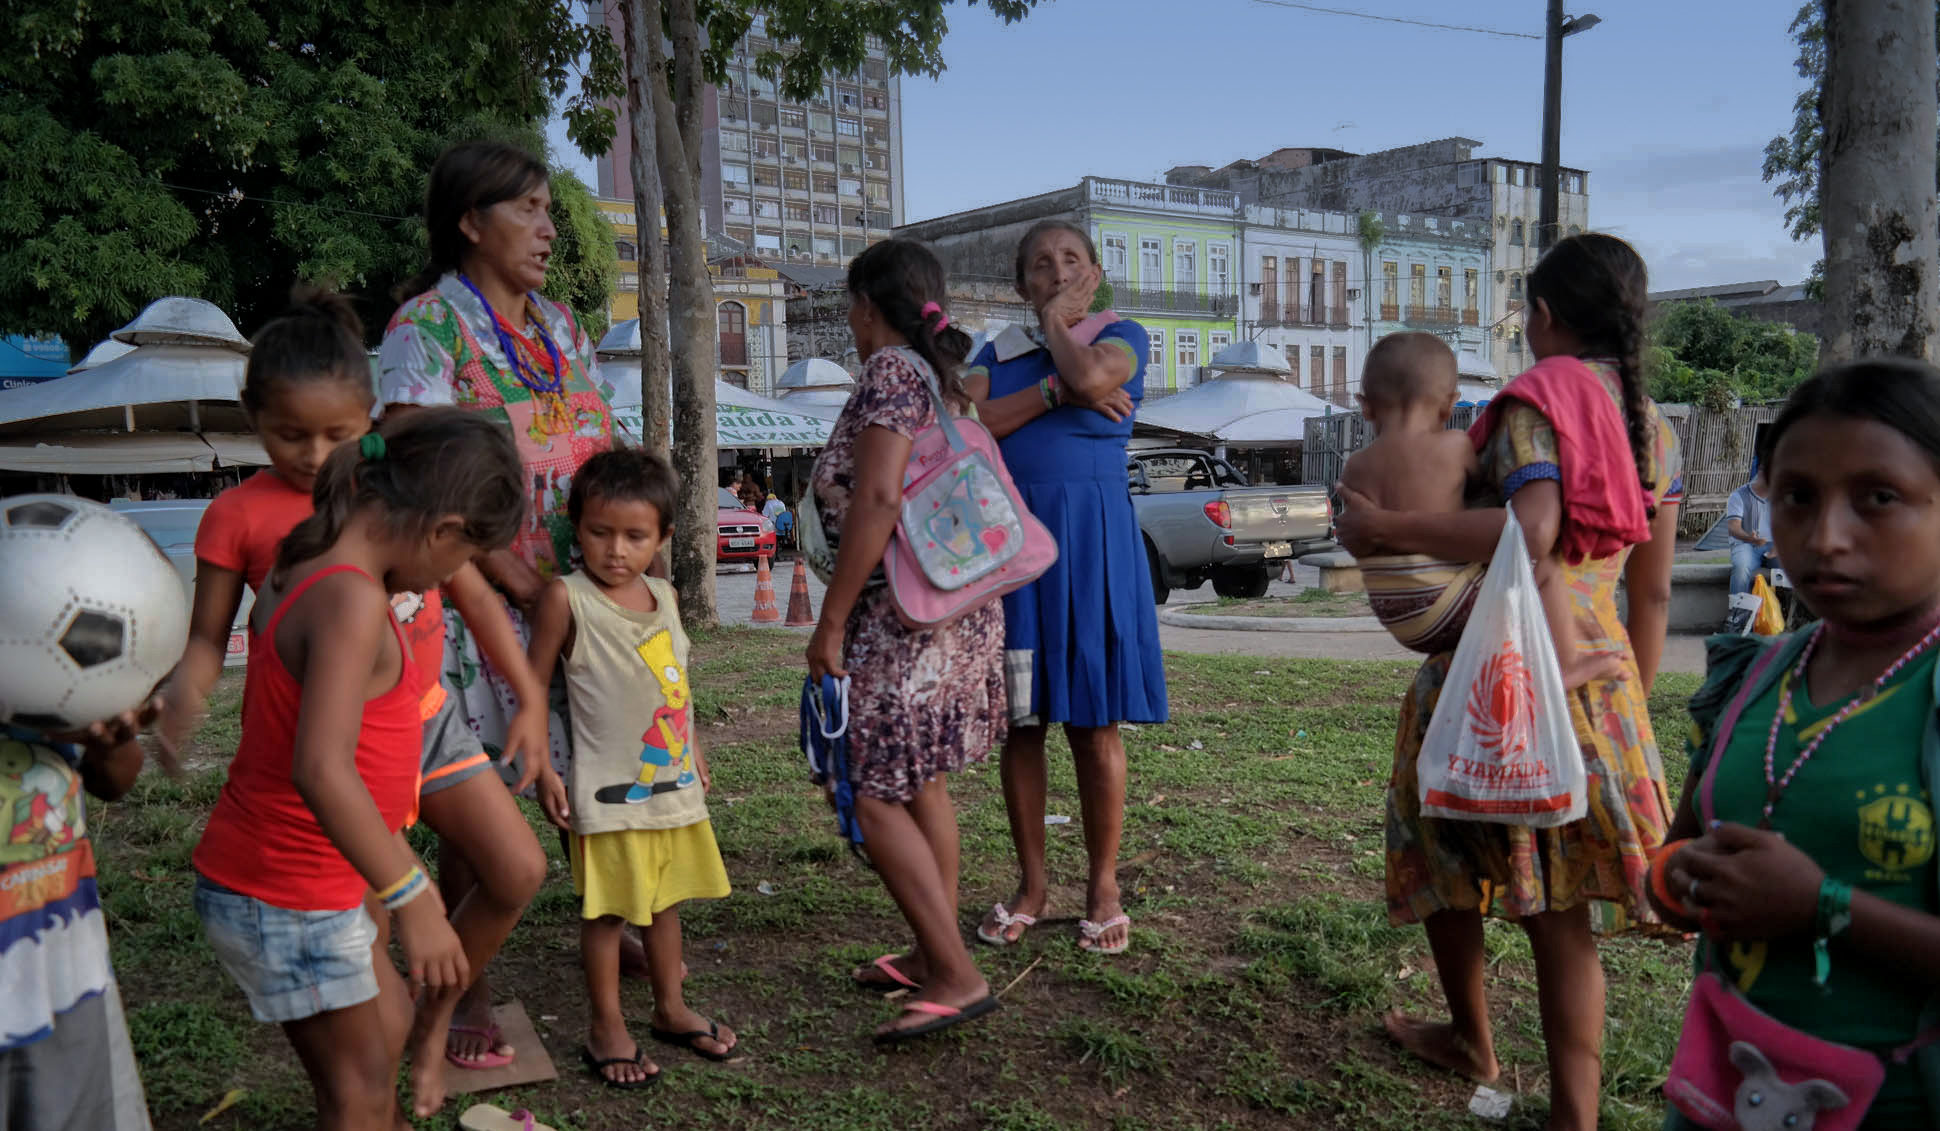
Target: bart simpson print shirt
[{"x": 632, "y": 710}]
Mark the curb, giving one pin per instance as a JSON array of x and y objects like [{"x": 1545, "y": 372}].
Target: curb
[{"x": 1179, "y": 618}]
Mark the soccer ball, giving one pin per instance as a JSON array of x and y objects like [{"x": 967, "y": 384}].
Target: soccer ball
[{"x": 93, "y": 615}]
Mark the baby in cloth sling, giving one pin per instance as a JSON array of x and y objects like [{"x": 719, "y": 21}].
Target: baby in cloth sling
[{"x": 1416, "y": 463}]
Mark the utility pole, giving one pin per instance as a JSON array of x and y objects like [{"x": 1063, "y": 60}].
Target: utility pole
[
  {"x": 1556, "y": 27},
  {"x": 1552, "y": 124}
]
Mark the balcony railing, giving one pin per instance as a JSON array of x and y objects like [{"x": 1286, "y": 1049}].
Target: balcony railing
[
  {"x": 1171, "y": 198},
  {"x": 1471, "y": 317},
  {"x": 1337, "y": 316},
  {"x": 1390, "y": 312},
  {"x": 1432, "y": 315},
  {"x": 1161, "y": 300}
]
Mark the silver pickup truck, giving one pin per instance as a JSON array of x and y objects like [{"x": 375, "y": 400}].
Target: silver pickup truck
[{"x": 1202, "y": 521}]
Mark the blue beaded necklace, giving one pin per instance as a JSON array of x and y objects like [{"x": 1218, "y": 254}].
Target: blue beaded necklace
[{"x": 527, "y": 374}]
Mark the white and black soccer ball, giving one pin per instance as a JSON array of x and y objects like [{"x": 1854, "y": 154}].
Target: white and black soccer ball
[{"x": 93, "y": 615}]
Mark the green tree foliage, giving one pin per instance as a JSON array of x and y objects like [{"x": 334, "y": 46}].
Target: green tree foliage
[
  {"x": 228, "y": 148},
  {"x": 1703, "y": 354},
  {"x": 584, "y": 269}
]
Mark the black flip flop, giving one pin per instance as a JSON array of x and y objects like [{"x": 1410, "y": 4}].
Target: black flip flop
[
  {"x": 945, "y": 1018},
  {"x": 687, "y": 1041},
  {"x": 598, "y": 1067}
]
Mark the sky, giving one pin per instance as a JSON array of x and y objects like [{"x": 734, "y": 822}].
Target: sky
[{"x": 1667, "y": 103}]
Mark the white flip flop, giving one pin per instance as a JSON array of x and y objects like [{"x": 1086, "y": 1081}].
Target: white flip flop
[
  {"x": 1005, "y": 921},
  {"x": 486, "y": 1117}
]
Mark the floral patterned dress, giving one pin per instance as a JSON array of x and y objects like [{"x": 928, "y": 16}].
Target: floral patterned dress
[
  {"x": 441, "y": 349},
  {"x": 921, "y": 703},
  {"x": 1441, "y": 865}
]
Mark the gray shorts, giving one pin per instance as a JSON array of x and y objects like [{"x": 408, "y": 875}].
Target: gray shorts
[
  {"x": 81, "y": 1076},
  {"x": 452, "y": 752}
]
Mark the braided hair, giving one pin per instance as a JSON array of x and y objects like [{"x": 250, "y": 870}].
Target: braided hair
[
  {"x": 904, "y": 281},
  {"x": 1595, "y": 286}
]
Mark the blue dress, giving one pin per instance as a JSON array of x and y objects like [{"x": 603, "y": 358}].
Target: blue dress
[{"x": 1089, "y": 622}]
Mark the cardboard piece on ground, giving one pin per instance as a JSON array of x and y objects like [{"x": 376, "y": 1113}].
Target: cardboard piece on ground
[{"x": 531, "y": 1065}]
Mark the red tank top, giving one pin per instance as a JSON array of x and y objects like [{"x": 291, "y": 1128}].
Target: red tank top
[{"x": 262, "y": 840}]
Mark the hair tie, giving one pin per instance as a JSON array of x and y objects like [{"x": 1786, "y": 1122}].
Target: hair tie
[
  {"x": 371, "y": 447},
  {"x": 942, "y": 319}
]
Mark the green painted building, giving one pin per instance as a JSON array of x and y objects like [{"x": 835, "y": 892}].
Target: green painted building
[{"x": 1170, "y": 253}]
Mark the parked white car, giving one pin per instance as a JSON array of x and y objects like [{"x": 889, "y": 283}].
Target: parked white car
[{"x": 172, "y": 524}]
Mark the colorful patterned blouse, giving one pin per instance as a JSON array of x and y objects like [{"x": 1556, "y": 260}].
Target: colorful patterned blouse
[{"x": 441, "y": 348}]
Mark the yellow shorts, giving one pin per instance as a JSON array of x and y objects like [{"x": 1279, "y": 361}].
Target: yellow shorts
[{"x": 636, "y": 874}]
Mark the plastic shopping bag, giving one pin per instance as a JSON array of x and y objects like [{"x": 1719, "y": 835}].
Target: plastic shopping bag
[
  {"x": 1500, "y": 746},
  {"x": 1770, "y": 619}
]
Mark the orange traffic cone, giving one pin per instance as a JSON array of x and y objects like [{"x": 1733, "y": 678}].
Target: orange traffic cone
[
  {"x": 800, "y": 613},
  {"x": 765, "y": 611}
]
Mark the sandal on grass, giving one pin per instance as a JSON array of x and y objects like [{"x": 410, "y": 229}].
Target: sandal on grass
[
  {"x": 891, "y": 979},
  {"x": 1090, "y": 932},
  {"x": 598, "y": 1068},
  {"x": 486, "y": 1117},
  {"x": 491, "y": 1058},
  {"x": 690, "y": 1041},
  {"x": 1005, "y": 921},
  {"x": 942, "y": 1017}
]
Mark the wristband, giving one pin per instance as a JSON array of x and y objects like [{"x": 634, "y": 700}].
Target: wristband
[
  {"x": 411, "y": 885},
  {"x": 1048, "y": 389},
  {"x": 1833, "y": 917},
  {"x": 1660, "y": 862}
]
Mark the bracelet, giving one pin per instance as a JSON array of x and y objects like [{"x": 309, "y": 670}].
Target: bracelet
[
  {"x": 1660, "y": 861},
  {"x": 411, "y": 885},
  {"x": 1048, "y": 389},
  {"x": 1833, "y": 917}
]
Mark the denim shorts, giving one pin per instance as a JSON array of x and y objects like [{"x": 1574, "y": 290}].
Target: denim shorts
[
  {"x": 291, "y": 965},
  {"x": 452, "y": 752}
]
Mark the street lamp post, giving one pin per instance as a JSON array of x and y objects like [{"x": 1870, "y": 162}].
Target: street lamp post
[{"x": 1556, "y": 28}]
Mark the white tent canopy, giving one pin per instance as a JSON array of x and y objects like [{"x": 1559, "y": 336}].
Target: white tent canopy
[
  {"x": 815, "y": 381},
  {"x": 1252, "y": 357},
  {"x": 1246, "y": 408},
  {"x": 107, "y": 349},
  {"x": 121, "y": 453},
  {"x": 178, "y": 355}
]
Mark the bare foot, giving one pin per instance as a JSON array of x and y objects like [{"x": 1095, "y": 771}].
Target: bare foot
[
  {"x": 613, "y": 1042},
  {"x": 720, "y": 1045},
  {"x": 1020, "y": 903},
  {"x": 1103, "y": 907},
  {"x": 1439, "y": 1044},
  {"x": 1596, "y": 666},
  {"x": 955, "y": 996},
  {"x": 428, "y": 1088}
]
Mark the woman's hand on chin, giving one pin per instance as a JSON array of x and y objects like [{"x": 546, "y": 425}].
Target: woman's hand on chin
[{"x": 1358, "y": 526}]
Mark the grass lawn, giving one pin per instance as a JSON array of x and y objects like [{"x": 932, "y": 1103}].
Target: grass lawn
[
  {"x": 1309, "y": 602},
  {"x": 1260, "y": 964}
]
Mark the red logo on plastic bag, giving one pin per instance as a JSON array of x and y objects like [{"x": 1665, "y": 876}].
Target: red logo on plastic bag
[{"x": 1502, "y": 705}]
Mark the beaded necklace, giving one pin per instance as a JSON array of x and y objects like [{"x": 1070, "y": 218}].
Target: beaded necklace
[
  {"x": 548, "y": 390},
  {"x": 1776, "y": 786}
]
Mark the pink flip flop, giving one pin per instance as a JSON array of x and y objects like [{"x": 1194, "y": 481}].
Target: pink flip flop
[
  {"x": 486, "y": 1117},
  {"x": 492, "y": 1058},
  {"x": 1005, "y": 921},
  {"x": 1091, "y": 932},
  {"x": 887, "y": 964},
  {"x": 945, "y": 1017}
]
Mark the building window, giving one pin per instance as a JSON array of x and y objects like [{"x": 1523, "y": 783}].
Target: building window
[
  {"x": 767, "y": 210},
  {"x": 1317, "y": 370},
  {"x": 1340, "y": 375},
  {"x": 1339, "y": 315},
  {"x": 1151, "y": 264},
  {"x": 878, "y": 193},
  {"x": 1270, "y": 293},
  {"x": 793, "y": 119},
  {"x": 1188, "y": 358},
  {"x": 1417, "y": 288},
  {"x": 625, "y": 250},
  {"x": 848, "y": 127},
  {"x": 767, "y": 241},
  {"x": 822, "y": 151},
  {"x": 1116, "y": 264},
  {"x": 849, "y": 186},
  {"x": 847, "y": 100},
  {"x": 1444, "y": 288},
  {"x": 1471, "y": 294},
  {"x": 1316, "y": 290},
  {"x": 819, "y": 123},
  {"x": 1500, "y": 174},
  {"x": 734, "y": 333},
  {"x": 825, "y": 246},
  {"x": 1515, "y": 233},
  {"x": 795, "y": 213},
  {"x": 1215, "y": 345},
  {"x": 1515, "y": 287},
  {"x": 1219, "y": 271},
  {"x": 1390, "y": 290},
  {"x": 874, "y": 100},
  {"x": 824, "y": 213},
  {"x": 1155, "y": 355},
  {"x": 1185, "y": 270},
  {"x": 734, "y": 174},
  {"x": 733, "y": 141},
  {"x": 794, "y": 180}
]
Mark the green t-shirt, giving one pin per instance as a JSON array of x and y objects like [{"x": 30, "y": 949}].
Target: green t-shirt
[{"x": 1861, "y": 811}]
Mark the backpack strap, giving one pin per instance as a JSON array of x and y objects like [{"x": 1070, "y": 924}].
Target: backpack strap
[{"x": 944, "y": 418}]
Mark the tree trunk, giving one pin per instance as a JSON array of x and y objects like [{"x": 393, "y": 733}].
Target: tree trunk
[
  {"x": 642, "y": 19},
  {"x": 690, "y": 302},
  {"x": 1878, "y": 111}
]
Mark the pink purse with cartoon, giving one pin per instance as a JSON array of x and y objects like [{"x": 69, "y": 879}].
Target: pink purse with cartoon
[
  {"x": 1738, "y": 1069},
  {"x": 964, "y": 537}
]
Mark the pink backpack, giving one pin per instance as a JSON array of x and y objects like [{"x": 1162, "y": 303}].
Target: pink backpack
[{"x": 965, "y": 537}]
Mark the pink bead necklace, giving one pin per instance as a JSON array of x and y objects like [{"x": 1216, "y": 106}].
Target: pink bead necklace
[{"x": 1775, "y": 786}]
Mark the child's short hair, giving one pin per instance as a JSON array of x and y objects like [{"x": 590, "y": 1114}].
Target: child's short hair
[
  {"x": 633, "y": 475},
  {"x": 1406, "y": 368},
  {"x": 319, "y": 338}
]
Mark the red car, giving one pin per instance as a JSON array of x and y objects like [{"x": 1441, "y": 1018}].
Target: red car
[{"x": 744, "y": 535}]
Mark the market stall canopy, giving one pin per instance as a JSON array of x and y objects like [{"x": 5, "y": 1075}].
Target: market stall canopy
[
  {"x": 107, "y": 349},
  {"x": 182, "y": 321},
  {"x": 741, "y": 419},
  {"x": 1472, "y": 365},
  {"x": 1237, "y": 408},
  {"x": 121, "y": 453},
  {"x": 183, "y": 369},
  {"x": 1252, "y": 357},
  {"x": 815, "y": 381}
]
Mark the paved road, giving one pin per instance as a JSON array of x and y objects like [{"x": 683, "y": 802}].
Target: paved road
[{"x": 736, "y": 602}]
